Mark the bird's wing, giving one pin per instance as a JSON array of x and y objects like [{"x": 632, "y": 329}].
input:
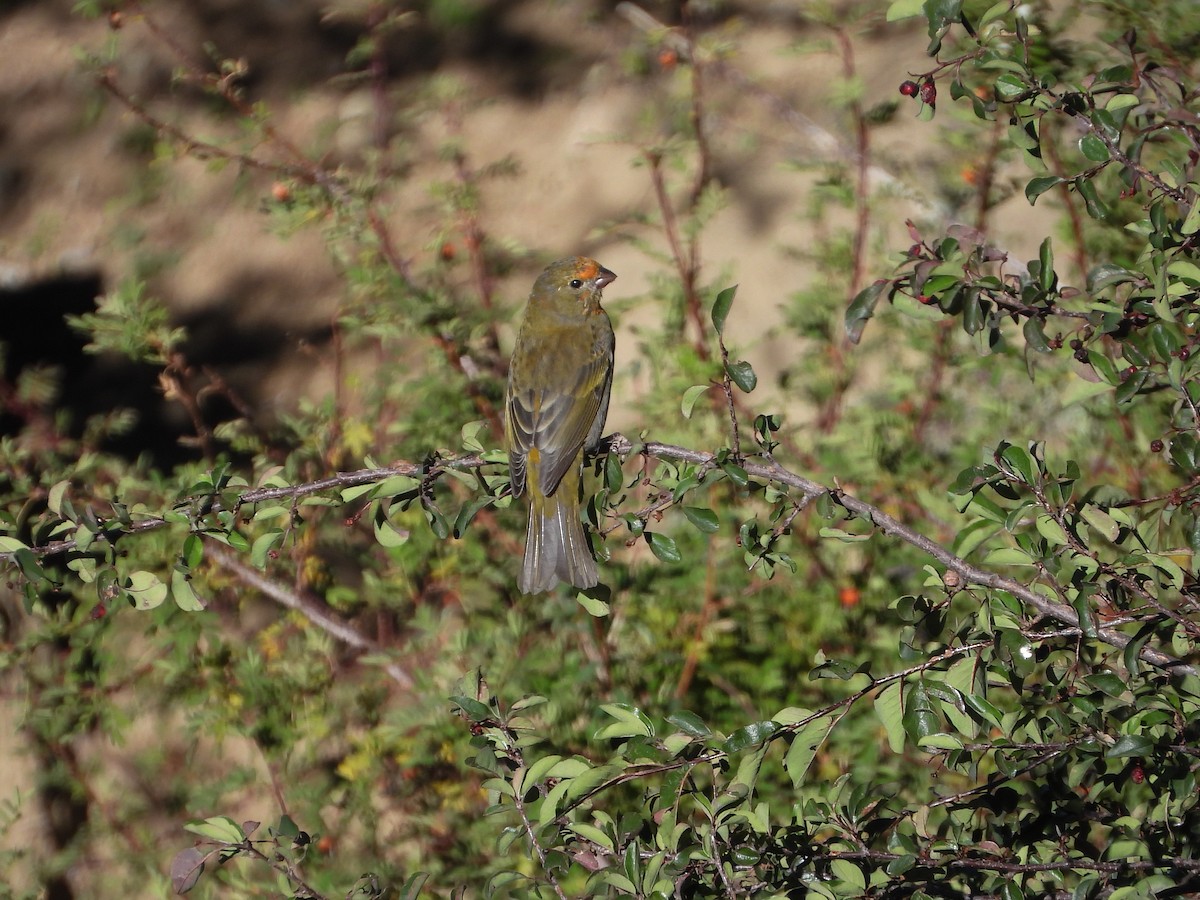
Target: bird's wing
[{"x": 548, "y": 426}]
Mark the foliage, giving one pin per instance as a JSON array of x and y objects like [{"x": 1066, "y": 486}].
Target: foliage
[{"x": 932, "y": 671}]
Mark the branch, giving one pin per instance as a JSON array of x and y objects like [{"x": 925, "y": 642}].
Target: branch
[
  {"x": 767, "y": 470},
  {"x": 969, "y": 573}
]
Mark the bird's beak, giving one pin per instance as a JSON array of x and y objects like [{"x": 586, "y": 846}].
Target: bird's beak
[{"x": 605, "y": 277}]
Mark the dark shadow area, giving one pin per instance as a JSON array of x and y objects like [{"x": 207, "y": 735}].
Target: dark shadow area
[{"x": 35, "y": 336}]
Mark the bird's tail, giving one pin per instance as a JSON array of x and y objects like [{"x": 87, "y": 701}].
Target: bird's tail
[{"x": 555, "y": 546}]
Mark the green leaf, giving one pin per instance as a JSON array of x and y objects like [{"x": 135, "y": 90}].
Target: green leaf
[
  {"x": 539, "y": 769},
  {"x": 721, "y": 306},
  {"x": 662, "y": 546},
  {"x": 804, "y": 748},
  {"x": 11, "y": 544},
  {"x": 742, "y": 374},
  {"x": 690, "y": 724},
  {"x": 183, "y": 594},
  {"x": 411, "y": 888},
  {"x": 470, "y": 435},
  {"x": 705, "y": 520},
  {"x": 1105, "y": 524},
  {"x": 54, "y": 500},
  {"x": 941, "y": 14},
  {"x": 690, "y": 396},
  {"x": 889, "y": 706},
  {"x": 1131, "y": 386},
  {"x": 848, "y": 873},
  {"x": 1051, "y": 530},
  {"x": 735, "y": 473},
  {"x": 1191, "y": 223},
  {"x": 920, "y": 715},
  {"x": 1035, "y": 335},
  {"x": 1130, "y": 745},
  {"x": 1103, "y": 366},
  {"x": 219, "y": 828},
  {"x": 630, "y": 722},
  {"x": 1007, "y": 556},
  {"x": 387, "y": 534},
  {"x": 1087, "y": 190},
  {"x": 147, "y": 589},
  {"x": 1107, "y": 274},
  {"x": 475, "y": 710},
  {"x": 1093, "y": 148},
  {"x": 1041, "y": 184},
  {"x": 1046, "y": 259},
  {"x": 593, "y": 834},
  {"x": 751, "y": 735},
  {"x": 1087, "y": 621},
  {"x": 193, "y": 551},
  {"x": 467, "y": 513},
  {"x": 263, "y": 545},
  {"x": 1010, "y": 86},
  {"x": 437, "y": 521},
  {"x": 84, "y": 567},
  {"x": 594, "y": 606},
  {"x": 861, "y": 308}
]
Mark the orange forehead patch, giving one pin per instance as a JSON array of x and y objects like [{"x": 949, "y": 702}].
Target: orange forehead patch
[{"x": 588, "y": 270}]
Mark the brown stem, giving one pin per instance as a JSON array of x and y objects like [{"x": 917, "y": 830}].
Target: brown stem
[
  {"x": 685, "y": 264},
  {"x": 862, "y": 144}
]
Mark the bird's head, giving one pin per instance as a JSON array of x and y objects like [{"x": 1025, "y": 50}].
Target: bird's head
[{"x": 576, "y": 281}]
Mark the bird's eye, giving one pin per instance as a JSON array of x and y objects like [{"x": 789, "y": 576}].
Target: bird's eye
[{"x": 576, "y": 283}]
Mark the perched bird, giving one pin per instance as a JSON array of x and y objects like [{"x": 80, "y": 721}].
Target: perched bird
[{"x": 554, "y": 409}]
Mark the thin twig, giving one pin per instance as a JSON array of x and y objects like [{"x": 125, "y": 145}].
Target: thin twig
[
  {"x": 519, "y": 803},
  {"x": 685, "y": 263}
]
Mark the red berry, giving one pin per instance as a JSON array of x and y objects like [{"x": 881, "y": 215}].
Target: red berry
[
  {"x": 929, "y": 92},
  {"x": 1137, "y": 775},
  {"x": 1184, "y": 353},
  {"x": 908, "y": 88},
  {"x": 1156, "y": 446}
]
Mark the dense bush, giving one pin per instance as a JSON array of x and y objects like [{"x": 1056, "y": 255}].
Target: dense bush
[{"x": 928, "y": 631}]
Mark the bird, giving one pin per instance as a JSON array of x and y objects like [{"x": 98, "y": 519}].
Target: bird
[{"x": 556, "y": 401}]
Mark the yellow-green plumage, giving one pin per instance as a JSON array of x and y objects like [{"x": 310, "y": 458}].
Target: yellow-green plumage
[{"x": 557, "y": 399}]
